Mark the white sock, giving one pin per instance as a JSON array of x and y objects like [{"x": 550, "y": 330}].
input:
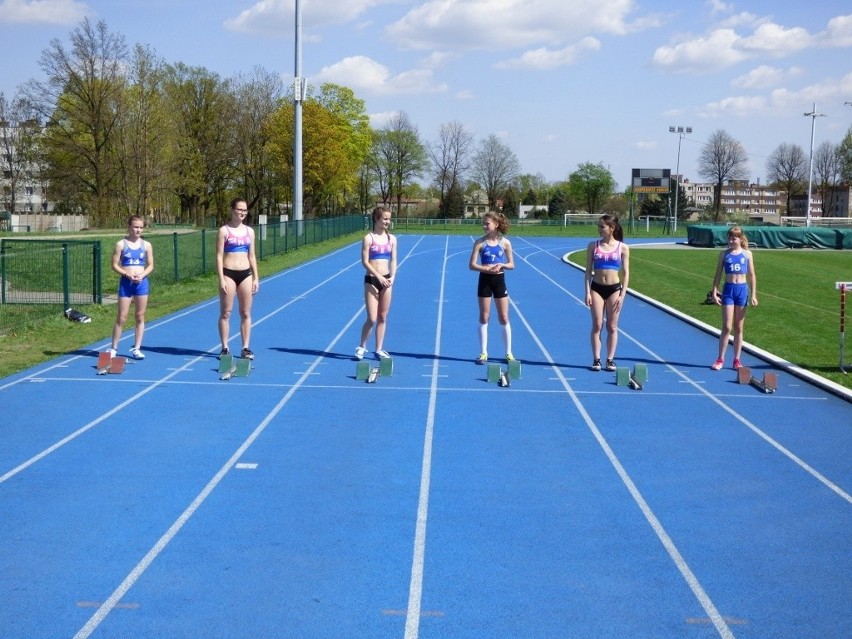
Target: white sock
[
  {"x": 507, "y": 336},
  {"x": 483, "y": 338}
]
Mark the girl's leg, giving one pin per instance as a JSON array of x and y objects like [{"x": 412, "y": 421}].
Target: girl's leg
[
  {"x": 727, "y": 320},
  {"x": 738, "y": 323},
  {"x": 123, "y": 309},
  {"x": 484, "y": 314},
  {"x": 244, "y": 297},
  {"x": 371, "y": 305},
  {"x": 226, "y": 305},
  {"x": 382, "y": 310},
  {"x": 597, "y": 310},
  {"x": 502, "y": 304},
  {"x": 611, "y": 326},
  {"x": 141, "y": 302}
]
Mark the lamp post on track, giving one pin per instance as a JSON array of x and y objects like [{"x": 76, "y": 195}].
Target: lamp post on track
[
  {"x": 681, "y": 132},
  {"x": 813, "y": 115}
]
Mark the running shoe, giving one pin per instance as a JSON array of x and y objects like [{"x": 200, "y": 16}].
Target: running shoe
[
  {"x": 737, "y": 364},
  {"x": 509, "y": 358},
  {"x": 112, "y": 352},
  {"x": 610, "y": 365},
  {"x": 482, "y": 359},
  {"x": 718, "y": 364},
  {"x": 360, "y": 352},
  {"x": 225, "y": 351},
  {"x": 247, "y": 354},
  {"x": 135, "y": 353},
  {"x": 596, "y": 365},
  {"x": 381, "y": 354}
]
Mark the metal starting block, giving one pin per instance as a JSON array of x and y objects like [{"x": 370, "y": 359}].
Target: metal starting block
[
  {"x": 230, "y": 367},
  {"x": 635, "y": 379},
  {"x": 493, "y": 373},
  {"x": 112, "y": 365},
  {"x": 514, "y": 369},
  {"x": 364, "y": 371},
  {"x": 769, "y": 383},
  {"x": 504, "y": 377}
]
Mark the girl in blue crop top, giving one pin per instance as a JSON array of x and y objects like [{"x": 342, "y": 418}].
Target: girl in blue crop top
[
  {"x": 736, "y": 264},
  {"x": 236, "y": 265},
  {"x": 607, "y": 276},
  {"x": 133, "y": 260},
  {"x": 492, "y": 256},
  {"x": 378, "y": 255}
]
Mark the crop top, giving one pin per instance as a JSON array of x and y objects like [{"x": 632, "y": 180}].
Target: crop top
[
  {"x": 607, "y": 261},
  {"x": 380, "y": 251},
  {"x": 736, "y": 263},
  {"x": 492, "y": 254},
  {"x": 134, "y": 256},
  {"x": 237, "y": 243}
]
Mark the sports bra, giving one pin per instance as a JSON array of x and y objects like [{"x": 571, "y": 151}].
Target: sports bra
[
  {"x": 237, "y": 243},
  {"x": 134, "y": 256},
  {"x": 492, "y": 254},
  {"x": 607, "y": 261},
  {"x": 380, "y": 251},
  {"x": 736, "y": 264}
]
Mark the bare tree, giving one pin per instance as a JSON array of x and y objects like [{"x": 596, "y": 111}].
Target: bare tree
[
  {"x": 722, "y": 158},
  {"x": 787, "y": 168},
  {"x": 827, "y": 168},
  {"x": 80, "y": 102},
  {"x": 450, "y": 157},
  {"x": 495, "y": 167},
  {"x": 19, "y": 131}
]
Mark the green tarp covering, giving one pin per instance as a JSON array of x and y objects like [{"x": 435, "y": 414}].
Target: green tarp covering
[{"x": 773, "y": 236}]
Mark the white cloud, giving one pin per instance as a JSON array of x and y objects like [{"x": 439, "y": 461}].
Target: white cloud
[
  {"x": 379, "y": 120},
  {"x": 764, "y": 76},
  {"x": 272, "y": 16},
  {"x": 365, "y": 74},
  {"x": 498, "y": 24},
  {"x": 547, "y": 59},
  {"x": 700, "y": 55},
  {"x": 42, "y": 11},
  {"x": 465, "y": 94},
  {"x": 838, "y": 33}
]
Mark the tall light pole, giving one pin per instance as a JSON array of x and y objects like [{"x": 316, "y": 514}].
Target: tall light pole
[
  {"x": 813, "y": 115},
  {"x": 298, "y": 97},
  {"x": 681, "y": 131}
]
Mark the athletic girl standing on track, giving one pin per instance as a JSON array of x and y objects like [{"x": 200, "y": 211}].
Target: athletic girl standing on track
[
  {"x": 236, "y": 265},
  {"x": 378, "y": 255},
  {"x": 492, "y": 256},
  {"x": 133, "y": 260},
  {"x": 737, "y": 263},
  {"x": 607, "y": 276}
]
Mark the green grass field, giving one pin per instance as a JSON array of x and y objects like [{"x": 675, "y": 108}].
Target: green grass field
[{"x": 797, "y": 319}]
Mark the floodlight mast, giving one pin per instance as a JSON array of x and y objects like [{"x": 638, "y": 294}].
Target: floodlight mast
[
  {"x": 813, "y": 115},
  {"x": 298, "y": 97},
  {"x": 681, "y": 132}
]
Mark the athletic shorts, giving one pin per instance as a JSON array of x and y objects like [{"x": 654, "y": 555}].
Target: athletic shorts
[
  {"x": 735, "y": 294},
  {"x": 605, "y": 290},
  {"x": 237, "y": 276},
  {"x": 492, "y": 284},
  {"x": 369, "y": 278},
  {"x": 129, "y": 288}
]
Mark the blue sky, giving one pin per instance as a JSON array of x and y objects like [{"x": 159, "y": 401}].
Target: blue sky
[{"x": 560, "y": 81}]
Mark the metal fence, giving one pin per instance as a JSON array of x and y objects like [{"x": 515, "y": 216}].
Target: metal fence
[{"x": 68, "y": 272}]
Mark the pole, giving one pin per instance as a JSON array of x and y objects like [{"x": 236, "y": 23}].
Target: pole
[
  {"x": 813, "y": 115},
  {"x": 677, "y": 182},
  {"x": 298, "y": 96}
]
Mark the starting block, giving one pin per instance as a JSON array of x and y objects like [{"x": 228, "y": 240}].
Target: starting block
[
  {"x": 503, "y": 377},
  {"x": 514, "y": 369},
  {"x": 386, "y": 366},
  {"x": 230, "y": 367},
  {"x": 635, "y": 379},
  {"x": 112, "y": 365},
  {"x": 769, "y": 383},
  {"x": 493, "y": 373},
  {"x": 366, "y": 372}
]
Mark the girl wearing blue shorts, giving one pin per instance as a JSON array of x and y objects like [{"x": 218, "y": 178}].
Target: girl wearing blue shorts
[
  {"x": 133, "y": 260},
  {"x": 737, "y": 265}
]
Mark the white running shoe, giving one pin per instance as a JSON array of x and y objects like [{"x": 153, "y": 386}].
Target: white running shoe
[
  {"x": 382, "y": 354},
  {"x": 135, "y": 353},
  {"x": 112, "y": 352},
  {"x": 360, "y": 352}
]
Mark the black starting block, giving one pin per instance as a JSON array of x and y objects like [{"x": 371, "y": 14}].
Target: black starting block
[
  {"x": 365, "y": 371},
  {"x": 635, "y": 379},
  {"x": 769, "y": 383},
  {"x": 113, "y": 365},
  {"x": 229, "y": 367}
]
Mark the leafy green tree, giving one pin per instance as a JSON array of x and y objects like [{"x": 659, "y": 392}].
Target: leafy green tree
[
  {"x": 844, "y": 151},
  {"x": 591, "y": 184},
  {"x": 79, "y": 101},
  {"x": 399, "y": 155}
]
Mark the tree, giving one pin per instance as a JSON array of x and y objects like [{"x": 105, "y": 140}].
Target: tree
[
  {"x": 787, "y": 169},
  {"x": 722, "y": 158},
  {"x": 827, "y": 169},
  {"x": 19, "y": 131},
  {"x": 450, "y": 157},
  {"x": 844, "y": 152},
  {"x": 496, "y": 167},
  {"x": 399, "y": 156},
  {"x": 591, "y": 184},
  {"x": 80, "y": 102}
]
